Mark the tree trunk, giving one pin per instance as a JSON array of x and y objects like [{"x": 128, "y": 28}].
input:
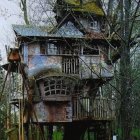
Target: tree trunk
[
  {"x": 24, "y": 9},
  {"x": 125, "y": 72},
  {"x": 50, "y": 132},
  {"x": 110, "y": 8}
]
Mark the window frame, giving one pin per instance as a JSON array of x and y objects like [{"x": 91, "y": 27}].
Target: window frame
[{"x": 90, "y": 49}]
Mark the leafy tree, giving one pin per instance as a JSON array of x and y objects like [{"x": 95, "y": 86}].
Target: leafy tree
[{"x": 3, "y": 107}]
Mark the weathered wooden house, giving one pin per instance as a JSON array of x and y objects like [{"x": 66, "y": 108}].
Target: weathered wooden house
[{"x": 66, "y": 68}]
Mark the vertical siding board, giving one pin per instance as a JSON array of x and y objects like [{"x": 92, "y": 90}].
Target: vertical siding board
[{"x": 25, "y": 53}]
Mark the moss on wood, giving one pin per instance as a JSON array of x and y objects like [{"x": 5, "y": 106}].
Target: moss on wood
[{"x": 90, "y": 7}]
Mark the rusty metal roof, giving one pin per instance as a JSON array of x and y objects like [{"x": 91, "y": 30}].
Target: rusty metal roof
[
  {"x": 28, "y": 30},
  {"x": 39, "y": 31},
  {"x": 43, "y": 31}
]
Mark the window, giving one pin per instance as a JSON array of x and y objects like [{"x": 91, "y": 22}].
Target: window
[
  {"x": 94, "y": 25},
  {"x": 52, "y": 49},
  {"x": 66, "y": 50},
  {"x": 74, "y": 50},
  {"x": 91, "y": 50},
  {"x": 42, "y": 48},
  {"x": 55, "y": 86},
  {"x": 49, "y": 48}
]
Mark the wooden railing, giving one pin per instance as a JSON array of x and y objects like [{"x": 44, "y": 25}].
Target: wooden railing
[
  {"x": 70, "y": 65},
  {"x": 95, "y": 109}
]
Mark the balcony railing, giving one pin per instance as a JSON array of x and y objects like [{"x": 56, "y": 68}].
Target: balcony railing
[{"x": 95, "y": 109}]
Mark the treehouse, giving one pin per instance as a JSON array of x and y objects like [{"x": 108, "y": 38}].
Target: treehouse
[{"x": 66, "y": 68}]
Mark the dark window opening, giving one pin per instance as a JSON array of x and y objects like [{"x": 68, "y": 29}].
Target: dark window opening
[
  {"x": 46, "y": 83},
  {"x": 91, "y": 51},
  {"x": 47, "y": 88},
  {"x": 42, "y": 48},
  {"x": 49, "y": 48},
  {"x": 94, "y": 24},
  {"x": 57, "y": 91},
  {"x": 58, "y": 87},
  {"x": 67, "y": 50},
  {"x": 52, "y": 86},
  {"x": 52, "y": 82},
  {"x": 56, "y": 49},
  {"x": 52, "y": 92},
  {"x": 74, "y": 50},
  {"x": 47, "y": 93},
  {"x": 63, "y": 92}
]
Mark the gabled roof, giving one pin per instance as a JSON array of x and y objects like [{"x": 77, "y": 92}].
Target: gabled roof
[
  {"x": 89, "y": 6},
  {"x": 69, "y": 18},
  {"x": 27, "y": 30}
]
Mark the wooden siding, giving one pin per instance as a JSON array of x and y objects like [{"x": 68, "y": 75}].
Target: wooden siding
[
  {"x": 53, "y": 112},
  {"x": 93, "y": 66},
  {"x": 16, "y": 90},
  {"x": 34, "y": 49},
  {"x": 87, "y": 24},
  {"x": 39, "y": 63},
  {"x": 69, "y": 29},
  {"x": 85, "y": 65},
  {"x": 77, "y": 110}
]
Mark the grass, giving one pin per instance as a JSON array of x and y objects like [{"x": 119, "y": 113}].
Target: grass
[
  {"x": 91, "y": 135},
  {"x": 57, "y": 135},
  {"x": 136, "y": 133}
]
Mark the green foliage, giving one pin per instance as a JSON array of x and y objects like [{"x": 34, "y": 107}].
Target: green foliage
[
  {"x": 136, "y": 133},
  {"x": 57, "y": 135},
  {"x": 2, "y": 108},
  {"x": 89, "y": 135}
]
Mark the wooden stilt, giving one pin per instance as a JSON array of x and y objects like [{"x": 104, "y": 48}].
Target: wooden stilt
[
  {"x": 26, "y": 130},
  {"x": 50, "y": 132}
]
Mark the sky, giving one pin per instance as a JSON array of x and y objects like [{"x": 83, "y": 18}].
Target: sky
[{"x": 10, "y": 13}]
